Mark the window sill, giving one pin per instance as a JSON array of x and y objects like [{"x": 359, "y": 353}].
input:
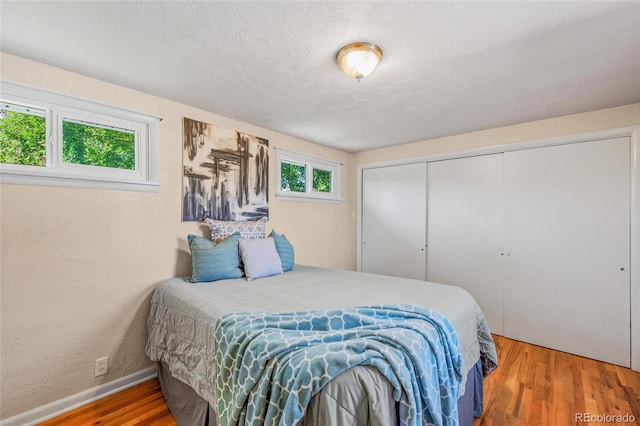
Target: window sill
[
  {"x": 306, "y": 198},
  {"x": 9, "y": 178}
]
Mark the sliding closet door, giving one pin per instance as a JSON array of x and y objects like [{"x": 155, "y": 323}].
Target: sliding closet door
[
  {"x": 465, "y": 229},
  {"x": 393, "y": 220},
  {"x": 566, "y": 276}
]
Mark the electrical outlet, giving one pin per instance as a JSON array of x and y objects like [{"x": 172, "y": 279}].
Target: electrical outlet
[{"x": 101, "y": 366}]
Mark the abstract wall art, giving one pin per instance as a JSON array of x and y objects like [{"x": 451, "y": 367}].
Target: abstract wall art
[{"x": 225, "y": 173}]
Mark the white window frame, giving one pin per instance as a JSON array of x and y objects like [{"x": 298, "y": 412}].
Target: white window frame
[
  {"x": 310, "y": 163},
  {"x": 55, "y": 172}
]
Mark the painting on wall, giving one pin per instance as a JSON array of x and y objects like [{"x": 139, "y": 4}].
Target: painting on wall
[{"x": 225, "y": 173}]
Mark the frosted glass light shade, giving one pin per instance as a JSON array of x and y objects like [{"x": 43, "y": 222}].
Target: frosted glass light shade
[{"x": 359, "y": 60}]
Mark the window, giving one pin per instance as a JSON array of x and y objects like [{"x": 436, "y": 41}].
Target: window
[
  {"x": 23, "y": 137},
  {"x": 52, "y": 139},
  {"x": 304, "y": 176},
  {"x": 96, "y": 145}
]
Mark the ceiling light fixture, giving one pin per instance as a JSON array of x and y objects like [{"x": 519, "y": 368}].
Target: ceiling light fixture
[{"x": 359, "y": 60}]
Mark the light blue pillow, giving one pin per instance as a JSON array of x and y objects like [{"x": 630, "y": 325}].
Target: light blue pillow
[
  {"x": 285, "y": 250},
  {"x": 213, "y": 262},
  {"x": 260, "y": 258}
]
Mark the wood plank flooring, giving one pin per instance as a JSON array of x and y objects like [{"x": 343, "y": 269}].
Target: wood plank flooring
[
  {"x": 539, "y": 386},
  {"x": 139, "y": 405},
  {"x": 532, "y": 386}
]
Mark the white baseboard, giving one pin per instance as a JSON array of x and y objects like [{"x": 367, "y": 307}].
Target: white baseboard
[{"x": 69, "y": 403}]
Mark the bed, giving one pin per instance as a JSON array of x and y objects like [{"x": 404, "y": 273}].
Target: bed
[{"x": 182, "y": 328}]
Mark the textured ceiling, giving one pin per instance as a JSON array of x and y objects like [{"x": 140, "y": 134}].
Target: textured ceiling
[{"x": 448, "y": 67}]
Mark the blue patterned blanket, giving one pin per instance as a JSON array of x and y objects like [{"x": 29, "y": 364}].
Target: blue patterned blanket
[{"x": 271, "y": 364}]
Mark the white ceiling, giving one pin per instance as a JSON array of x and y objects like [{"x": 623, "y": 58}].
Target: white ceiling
[{"x": 448, "y": 67}]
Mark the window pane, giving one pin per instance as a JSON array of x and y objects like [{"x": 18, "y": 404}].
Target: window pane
[
  {"x": 95, "y": 145},
  {"x": 293, "y": 177},
  {"x": 23, "y": 137},
  {"x": 321, "y": 180}
]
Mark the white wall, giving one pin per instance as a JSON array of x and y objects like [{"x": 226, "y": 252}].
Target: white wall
[{"x": 78, "y": 266}]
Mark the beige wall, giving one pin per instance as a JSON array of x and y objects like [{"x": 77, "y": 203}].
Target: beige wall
[
  {"x": 570, "y": 124},
  {"x": 78, "y": 265}
]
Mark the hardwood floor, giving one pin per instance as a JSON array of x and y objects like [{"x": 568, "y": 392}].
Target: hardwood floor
[
  {"x": 539, "y": 386},
  {"x": 139, "y": 405},
  {"x": 532, "y": 386}
]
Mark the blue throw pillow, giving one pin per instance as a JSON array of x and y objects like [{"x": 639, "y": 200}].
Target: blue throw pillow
[
  {"x": 213, "y": 262},
  {"x": 285, "y": 251}
]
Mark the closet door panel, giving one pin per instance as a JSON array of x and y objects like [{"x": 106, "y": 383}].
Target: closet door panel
[
  {"x": 566, "y": 275},
  {"x": 465, "y": 229},
  {"x": 393, "y": 220}
]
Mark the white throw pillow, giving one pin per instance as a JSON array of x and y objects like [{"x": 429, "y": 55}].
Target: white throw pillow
[{"x": 260, "y": 258}]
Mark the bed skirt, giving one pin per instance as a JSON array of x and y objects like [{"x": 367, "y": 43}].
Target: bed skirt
[{"x": 189, "y": 409}]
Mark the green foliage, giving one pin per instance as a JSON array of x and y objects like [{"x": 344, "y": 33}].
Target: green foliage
[
  {"x": 321, "y": 180},
  {"x": 293, "y": 177},
  {"x": 97, "y": 146},
  {"x": 22, "y": 138},
  {"x": 23, "y": 141}
]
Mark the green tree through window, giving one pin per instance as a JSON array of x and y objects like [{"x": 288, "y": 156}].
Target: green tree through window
[
  {"x": 23, "y": 137},
  {"x": 98, "y": 146},
  {"x": 321, "y": 180},
  {"x": 293, "y": 177}
]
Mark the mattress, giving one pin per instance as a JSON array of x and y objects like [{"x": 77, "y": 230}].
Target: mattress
[{"x": 183, "y": 315}]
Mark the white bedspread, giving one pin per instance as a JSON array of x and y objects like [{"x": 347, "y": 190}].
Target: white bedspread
[{"x": 183, "y": 315}]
